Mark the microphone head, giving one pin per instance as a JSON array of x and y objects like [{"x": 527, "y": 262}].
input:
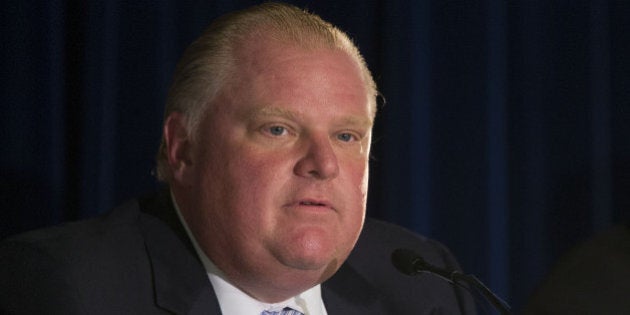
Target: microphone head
[{"x": 405, "y": 261}]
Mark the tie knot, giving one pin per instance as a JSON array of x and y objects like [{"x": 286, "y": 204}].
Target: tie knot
[{"x": 284, "y": 311}]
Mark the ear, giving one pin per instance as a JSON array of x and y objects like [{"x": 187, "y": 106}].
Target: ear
[{"x": 178, "y": 146}]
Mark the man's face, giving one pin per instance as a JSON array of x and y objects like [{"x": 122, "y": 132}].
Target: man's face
[{"x": 278, "y": 178}]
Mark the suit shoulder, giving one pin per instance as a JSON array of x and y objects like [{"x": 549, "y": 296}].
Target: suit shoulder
[
  {"x": 74, "y": 247},
  {"x": 57, "y": 266}
]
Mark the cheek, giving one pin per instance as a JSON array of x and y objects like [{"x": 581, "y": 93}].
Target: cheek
[
  {"x": 355, "y": 192},
  {"x": 258, "y": 174},
  {"x": 251, "y": 182},
  {"x": 358, "y": 176}
]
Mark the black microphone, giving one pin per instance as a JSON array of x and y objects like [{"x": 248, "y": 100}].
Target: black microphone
[{"x": 410, "y": 263}]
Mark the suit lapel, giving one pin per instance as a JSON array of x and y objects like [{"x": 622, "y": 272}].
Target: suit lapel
[
  {"x": 180, "y": 281},
  {"x": 347, "y": 292}
]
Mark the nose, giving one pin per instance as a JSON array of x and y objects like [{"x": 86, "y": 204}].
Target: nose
[{"x": 319, "y": 160}]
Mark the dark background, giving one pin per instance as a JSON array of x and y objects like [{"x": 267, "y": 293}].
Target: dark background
[{"x": 504, "y": 134}]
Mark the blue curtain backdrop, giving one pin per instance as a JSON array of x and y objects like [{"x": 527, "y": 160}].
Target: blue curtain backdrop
[{"x": 504, "y": 133}]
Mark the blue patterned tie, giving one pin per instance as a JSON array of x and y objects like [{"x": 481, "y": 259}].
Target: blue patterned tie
[{"x": 284, "y": 311}]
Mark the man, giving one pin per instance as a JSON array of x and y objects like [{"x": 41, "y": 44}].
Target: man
[{"x": 265, "y": 151}]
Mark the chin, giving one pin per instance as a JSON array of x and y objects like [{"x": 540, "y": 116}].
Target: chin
[
  {"x": 306, "y": 257},
  {"x": 309, "y": 263},
  {"x": 312, "y": 249}
]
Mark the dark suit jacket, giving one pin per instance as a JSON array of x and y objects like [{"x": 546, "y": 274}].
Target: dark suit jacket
[{"x": 137, "y": 259}]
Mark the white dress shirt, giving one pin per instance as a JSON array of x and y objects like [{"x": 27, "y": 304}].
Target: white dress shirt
[{"x": 234, "y": 301}]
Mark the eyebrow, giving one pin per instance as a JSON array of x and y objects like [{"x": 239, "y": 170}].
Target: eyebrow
[
  {"x": 272, "y": 111},
  {"x": 289, "y": 114},
  {"x": 353, "y": 120}
]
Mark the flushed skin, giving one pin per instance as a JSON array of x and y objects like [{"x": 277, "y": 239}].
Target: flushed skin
[{"x": 274, "y": 188}]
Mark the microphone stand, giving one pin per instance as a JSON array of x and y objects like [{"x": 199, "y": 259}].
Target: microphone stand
[
  {"x": 473, "y": 281},
  {"x": 410, "y": 263}
]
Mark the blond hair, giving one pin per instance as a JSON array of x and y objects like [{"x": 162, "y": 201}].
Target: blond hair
[{"x": 210, "y": 60}]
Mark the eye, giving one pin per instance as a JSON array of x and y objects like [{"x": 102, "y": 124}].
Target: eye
[
  {"x": 346, "y": 137},
  {"x": 276, "y": 130}
]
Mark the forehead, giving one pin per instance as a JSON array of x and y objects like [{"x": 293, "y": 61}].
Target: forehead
[
  {"x": 259, "y": 52},
  {"x": 276, "y": 69}
]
